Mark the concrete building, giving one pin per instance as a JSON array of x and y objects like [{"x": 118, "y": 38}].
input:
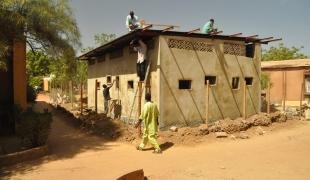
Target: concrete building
[
  {"x": 290, "y": 81},
  {"x": 181, "y": 63}
]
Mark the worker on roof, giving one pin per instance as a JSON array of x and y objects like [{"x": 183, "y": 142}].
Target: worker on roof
[
  {"x": 139, "y": 46},
  {"x": 209, "y": 27},
  {"x": 132, "y": 21},
  {"x": 149, "y": 116}
]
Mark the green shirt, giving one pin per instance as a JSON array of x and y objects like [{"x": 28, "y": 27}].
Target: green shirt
[
  {"x": 149, "y": 116},
  {"x": 207, "y": 28}
]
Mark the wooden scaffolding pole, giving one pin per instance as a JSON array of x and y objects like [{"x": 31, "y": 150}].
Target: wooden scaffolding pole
[
  {"x": 244, "y": 100},
  {"x": 81, "y": 98},
  {"x": 284, "y": 88},
  {"x": 139, "y": 105},
  {"x": 96, "y": 94},
  {"x": 207, "y": 101},
  {"x": 268, "y": 98},
  {"x": 301, "y": 97}
]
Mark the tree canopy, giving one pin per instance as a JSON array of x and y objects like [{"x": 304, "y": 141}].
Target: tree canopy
[
  {"x": 47, "y": 25},
  {"x": 100, "y": 39},
  {"x": 282, "y": 53}
]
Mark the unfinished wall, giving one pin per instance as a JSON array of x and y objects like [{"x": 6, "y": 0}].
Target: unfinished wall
[
  {"x": 193, "y": 59},
  {"x": 125, "y": 68},
  {"x": 286, "y": 82}
]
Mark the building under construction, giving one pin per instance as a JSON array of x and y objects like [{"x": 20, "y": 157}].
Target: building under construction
[{"x": 182, "y": 66}]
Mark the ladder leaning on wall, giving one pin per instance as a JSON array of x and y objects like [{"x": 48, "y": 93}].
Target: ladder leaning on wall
[{"x": 139, "y": 92}]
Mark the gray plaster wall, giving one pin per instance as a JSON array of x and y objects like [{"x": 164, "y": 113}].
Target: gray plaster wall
[
  {"x": 188, "y": 107},
  {"x": 125, "y": 68}
]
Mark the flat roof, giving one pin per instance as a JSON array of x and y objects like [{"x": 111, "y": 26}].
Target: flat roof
[
  {"x": 149, "y": 33},
  {"x": 285, "y": 64}
]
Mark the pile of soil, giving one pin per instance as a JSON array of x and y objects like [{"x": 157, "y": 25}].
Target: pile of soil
[{"x": 114, "y": 129}]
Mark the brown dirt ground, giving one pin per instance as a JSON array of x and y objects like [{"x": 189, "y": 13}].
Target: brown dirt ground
[{"x": 281, "y": 153}]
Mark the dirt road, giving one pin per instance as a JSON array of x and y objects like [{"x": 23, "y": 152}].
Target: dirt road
[{"x": 283, "y": 154}]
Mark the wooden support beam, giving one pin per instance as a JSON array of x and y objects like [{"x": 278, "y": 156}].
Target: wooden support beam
[
  {"x": 301, "y": 97},
  {"x": 253, "y": 36},
  {"x": 236, "y": 34},
  {"x": 280, "y": 39},
  {"x": 284, "y": 88},
  {"x": 163, "y": 25},
  {"x": 167, "y": 29},
  {"x": 147, "y": 27},
  {"x": 215, "y": 33},
  {"x": 267, "y": 38},
  {"x": 194, "y": 30}
]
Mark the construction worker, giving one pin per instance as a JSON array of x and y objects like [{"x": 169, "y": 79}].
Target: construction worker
[
  {"x": 209, "y": 27},
  {"x": 139, "y": 46},
  {"x": 106, "y": 97},
  {"x": 132, "y": 21},
  {"x": 149, "y": 116}
]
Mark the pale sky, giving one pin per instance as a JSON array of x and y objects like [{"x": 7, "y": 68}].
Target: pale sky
[{"x": 285, "y": 19}]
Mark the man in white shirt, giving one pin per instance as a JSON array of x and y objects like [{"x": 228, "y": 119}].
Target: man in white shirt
[
  {"x": 139, "y": 46},
  {"x": 132, "y": 21}
]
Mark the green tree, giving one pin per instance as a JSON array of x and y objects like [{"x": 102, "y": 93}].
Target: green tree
[
  {"x": 47, "y": 25},
  {"x": 282, "y": 53},
  {"x": 100, "y": 39},
  {"x": 37, "y": 66}
]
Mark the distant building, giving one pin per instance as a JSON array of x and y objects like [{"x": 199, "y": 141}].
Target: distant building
[
  {"x": 290, "y": 80},
  {"x": 181, "y": 64}
]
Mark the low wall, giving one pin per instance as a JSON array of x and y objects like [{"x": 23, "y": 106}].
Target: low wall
[{"x": 18, "y": 157}]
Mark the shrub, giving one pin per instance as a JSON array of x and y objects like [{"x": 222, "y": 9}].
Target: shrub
[{"x": 34, "y": 128}]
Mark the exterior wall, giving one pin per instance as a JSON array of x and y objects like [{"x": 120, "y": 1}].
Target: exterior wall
[
  {"x": 19, "y": 74},
  {"x": 286, "y": 82},
  {"x": 188, "y": 107},
  {"x": 125, "y": 68}
]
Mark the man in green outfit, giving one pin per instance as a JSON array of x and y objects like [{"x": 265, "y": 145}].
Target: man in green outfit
[{"x": 149, "y": 116}]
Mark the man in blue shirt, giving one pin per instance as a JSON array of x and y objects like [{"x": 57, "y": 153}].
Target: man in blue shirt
[{"x": 208, "y": 27}]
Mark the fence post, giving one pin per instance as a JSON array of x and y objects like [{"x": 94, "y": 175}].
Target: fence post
[
  {"x": 81, "y": 99},
  {"x": 96, "y": 94},
  {"x": 268, "y": 98},
  {"x": 244, "y": 100}
]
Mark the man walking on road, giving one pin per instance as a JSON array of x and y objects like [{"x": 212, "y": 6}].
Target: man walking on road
[{"x": 149, "y": 116}]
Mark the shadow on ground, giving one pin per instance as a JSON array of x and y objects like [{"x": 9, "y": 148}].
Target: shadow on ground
[{"x": 65, "y": 142}]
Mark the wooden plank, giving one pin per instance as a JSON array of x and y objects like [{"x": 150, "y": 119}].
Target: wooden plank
[
  {"x": 194, "y": 30},
  {"x": 163, "y": 25},
  {"x": 139, "y": 106},
  {"x": 301, "y": 97},
  {"x": 81, "y": 98}
]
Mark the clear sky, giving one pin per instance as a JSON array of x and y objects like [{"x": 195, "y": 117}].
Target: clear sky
[{"x": 287, "y": 19}]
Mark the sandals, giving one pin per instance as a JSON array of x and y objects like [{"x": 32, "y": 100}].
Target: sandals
[{"x": 157, "y": 151}]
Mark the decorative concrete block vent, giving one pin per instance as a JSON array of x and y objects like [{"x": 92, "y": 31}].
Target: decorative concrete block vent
[
  {"x": 190, "y": 45},
  {"x": 234, "y": 49}
]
